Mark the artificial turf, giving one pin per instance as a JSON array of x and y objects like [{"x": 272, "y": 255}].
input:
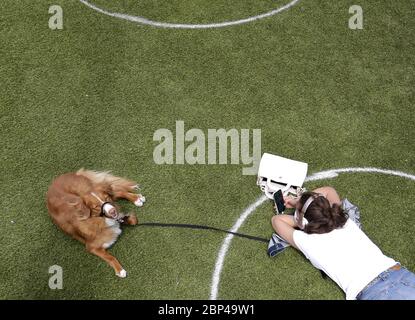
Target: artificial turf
[{"x": 93, "y": 94}]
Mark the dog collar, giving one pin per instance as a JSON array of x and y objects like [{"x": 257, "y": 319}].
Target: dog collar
[{"x": 103, "y": 205}]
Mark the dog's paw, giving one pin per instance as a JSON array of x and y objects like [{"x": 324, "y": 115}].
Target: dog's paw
[
  {"x": 122, "y": 273},
  {"x": 140, "y": 201}
]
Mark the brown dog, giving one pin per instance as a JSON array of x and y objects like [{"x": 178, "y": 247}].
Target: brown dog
[{"x": 82, "y": 204}]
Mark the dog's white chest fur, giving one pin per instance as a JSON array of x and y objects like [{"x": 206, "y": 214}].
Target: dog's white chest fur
[{"x": 114, "y": 225}]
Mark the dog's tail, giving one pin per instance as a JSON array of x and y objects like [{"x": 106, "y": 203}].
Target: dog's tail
[{"x": 107, "y": 179}]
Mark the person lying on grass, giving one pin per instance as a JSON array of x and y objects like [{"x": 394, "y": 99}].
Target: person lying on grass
[{"x": 335, "y": 244}]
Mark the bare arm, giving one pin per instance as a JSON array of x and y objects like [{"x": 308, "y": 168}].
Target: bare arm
[
  {"x": 284, "y": 225},
  {"x": 330, "y": 194}
]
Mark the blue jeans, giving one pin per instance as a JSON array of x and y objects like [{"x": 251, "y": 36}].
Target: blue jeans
[{"x": 390, "y": 285}]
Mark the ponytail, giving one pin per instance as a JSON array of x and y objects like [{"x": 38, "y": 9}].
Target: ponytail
[
  {"x": 323, "y": 218},
  {"x": 337, "y": 216}
]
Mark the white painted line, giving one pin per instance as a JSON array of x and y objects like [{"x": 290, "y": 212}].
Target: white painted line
[
  {"x": 328, "y": 174},
  {"x": 145, "y": 21},
  {"x": 226, "y": 243}
]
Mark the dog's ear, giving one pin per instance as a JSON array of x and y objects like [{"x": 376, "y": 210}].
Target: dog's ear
[{"x": 81, "y": 210}]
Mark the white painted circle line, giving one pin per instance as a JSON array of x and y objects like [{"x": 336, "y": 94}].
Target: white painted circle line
[
  {"x": 145, "y": 21},
  {"x": 226, "y": 243},
  {"x": 328, "y": 174}
]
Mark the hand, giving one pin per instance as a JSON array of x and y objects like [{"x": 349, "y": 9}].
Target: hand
[{"x": 290, "y": 201}]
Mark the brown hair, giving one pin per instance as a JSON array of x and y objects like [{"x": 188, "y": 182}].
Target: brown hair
[{"x": 321, "y": 217}]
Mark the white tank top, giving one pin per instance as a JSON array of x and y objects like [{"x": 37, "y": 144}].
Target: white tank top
[{"x": 346, "y": 255}]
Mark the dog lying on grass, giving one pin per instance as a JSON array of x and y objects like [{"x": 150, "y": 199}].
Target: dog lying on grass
[{"x": 82, "y": 205}]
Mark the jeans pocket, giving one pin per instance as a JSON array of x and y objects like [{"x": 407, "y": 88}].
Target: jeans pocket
[{"x": 408, "y": 283}]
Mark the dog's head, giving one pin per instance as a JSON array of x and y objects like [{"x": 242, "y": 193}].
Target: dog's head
[{"x": 100, "y": 202}]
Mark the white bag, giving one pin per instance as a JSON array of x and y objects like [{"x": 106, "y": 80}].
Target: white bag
[{"x": 278, "y": 173}]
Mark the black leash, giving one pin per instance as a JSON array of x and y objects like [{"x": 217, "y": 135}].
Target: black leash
[{"x": 200, "y": 227}]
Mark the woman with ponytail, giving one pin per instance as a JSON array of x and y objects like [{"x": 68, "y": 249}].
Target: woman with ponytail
[{"x": 327, "y": 231}]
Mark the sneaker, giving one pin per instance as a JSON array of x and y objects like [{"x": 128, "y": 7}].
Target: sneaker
[{"x": 276, "y": 245}]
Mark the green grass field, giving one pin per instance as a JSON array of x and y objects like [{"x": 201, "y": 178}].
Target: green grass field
[{"x": 93, "y": 94}]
